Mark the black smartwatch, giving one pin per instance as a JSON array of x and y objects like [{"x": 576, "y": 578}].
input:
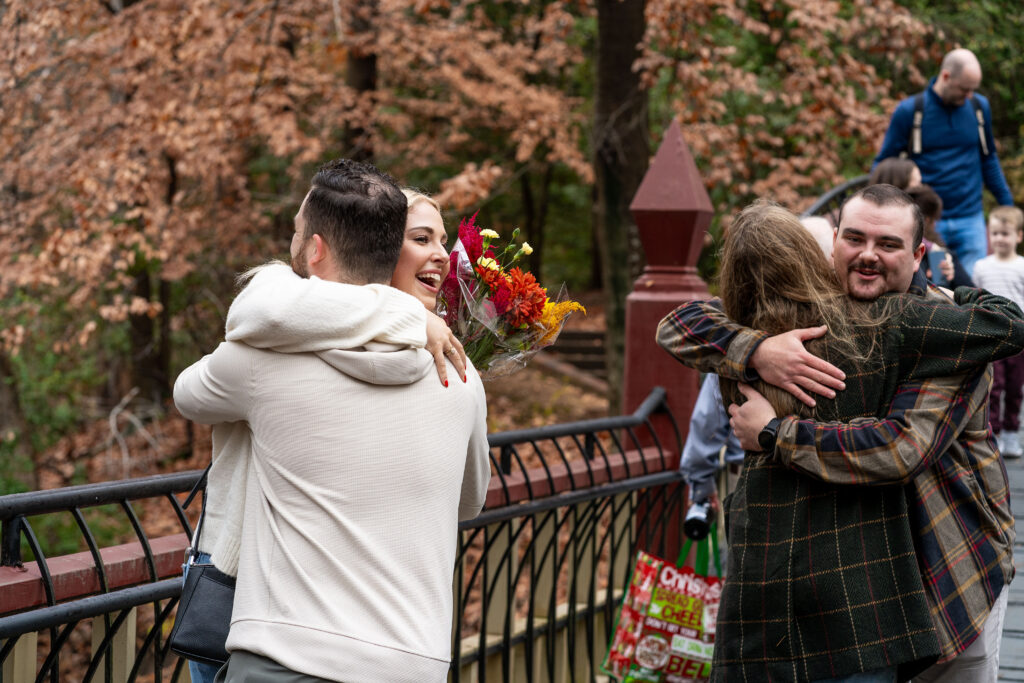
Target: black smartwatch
[{"x": 767, "y": 435}]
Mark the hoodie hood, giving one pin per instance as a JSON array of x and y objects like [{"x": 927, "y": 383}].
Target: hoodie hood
[{"x": 378, "y": 363}]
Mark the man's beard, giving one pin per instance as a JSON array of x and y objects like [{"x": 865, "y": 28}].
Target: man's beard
[
  {"x": 877, "y": 268},
  {"x": 300, "y": 265}
]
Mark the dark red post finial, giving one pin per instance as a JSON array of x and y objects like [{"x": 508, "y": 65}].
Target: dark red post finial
[{"x": 672, "y": 212}]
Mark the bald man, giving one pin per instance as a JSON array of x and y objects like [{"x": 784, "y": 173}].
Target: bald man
[{"x": 954, "y": 149}]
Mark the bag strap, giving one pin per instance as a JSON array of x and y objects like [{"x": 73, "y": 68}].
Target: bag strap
[
  {"x": 193, "y": 550},
  {"x": 196, "y": 487},
  {"x": 700, "y": 563},
  {"x": 714, "y": 551},
  {"x": 980, "y": 115},
  {"x": 915, "y": 134},
  {"x": 684, "y": 552}
]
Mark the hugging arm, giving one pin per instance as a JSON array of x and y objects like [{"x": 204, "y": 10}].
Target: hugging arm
[
  {"x": 700, "y": 335},
  {"x": 283, "y": 311},
  {"x": 215, "y": 388},
  {"x": 941, "y": 337},
  {"x": 924, "y": 418}
]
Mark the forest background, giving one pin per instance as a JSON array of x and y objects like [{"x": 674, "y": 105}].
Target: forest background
[{"x": 151, "y": 150}]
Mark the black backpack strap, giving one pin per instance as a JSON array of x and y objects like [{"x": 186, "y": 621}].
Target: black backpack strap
[{"x": 980, "y": 115}]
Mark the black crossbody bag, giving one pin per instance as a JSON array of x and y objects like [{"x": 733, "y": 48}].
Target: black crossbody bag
[{"x": 204, "y": 610}]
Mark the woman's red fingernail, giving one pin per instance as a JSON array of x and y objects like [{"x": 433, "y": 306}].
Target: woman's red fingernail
[
  {"x": 463, "y": 379},
  {"x": 446, "y": 384}
]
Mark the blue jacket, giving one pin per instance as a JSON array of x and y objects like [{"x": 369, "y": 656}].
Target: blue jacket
[
  {"x": 951, "y": 160},
  {"x": 709, "y": 432}
]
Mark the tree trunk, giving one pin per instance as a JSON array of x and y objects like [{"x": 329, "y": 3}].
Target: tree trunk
[
  {"x": 621, "y": 156},
  {"x": 535, "y": 215},
  {"x": 361, "y": 72},
  {"x": 12, "y": 419},
  {"x": 146, "y": 372}
]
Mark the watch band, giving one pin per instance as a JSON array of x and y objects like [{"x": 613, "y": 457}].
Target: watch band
[{"x": 768, "y": 434}]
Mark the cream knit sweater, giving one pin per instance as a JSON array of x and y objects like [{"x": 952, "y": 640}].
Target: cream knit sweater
[
  {"x": 281, "y": 311},
  {"x": 361, "y": 466}
]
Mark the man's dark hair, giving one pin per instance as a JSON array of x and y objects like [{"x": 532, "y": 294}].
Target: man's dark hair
[
  {"x": 930, "y": 203},
  {"x": 889, "y": 195},
  {"x": 928, "y": 200},
  {"x": 359, "y": 212}
]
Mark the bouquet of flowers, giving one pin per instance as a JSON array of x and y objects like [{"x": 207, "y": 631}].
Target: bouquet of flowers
[{"x": 500, "y": 312}]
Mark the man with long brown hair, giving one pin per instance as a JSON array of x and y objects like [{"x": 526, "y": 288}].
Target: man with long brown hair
[{"x": 935, "y": 440}]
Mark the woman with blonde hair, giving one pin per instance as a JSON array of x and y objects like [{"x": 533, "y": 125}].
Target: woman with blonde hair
[
  {"x": 823, "y": 580},
  {"x": 280, "y": 309}
]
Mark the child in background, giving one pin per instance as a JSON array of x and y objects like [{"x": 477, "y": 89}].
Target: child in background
[
  {"x": 939, "y": 265},
  {"x": 1002, "y": 273}
]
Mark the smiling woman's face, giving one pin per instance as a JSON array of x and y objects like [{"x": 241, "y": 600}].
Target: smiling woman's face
[{"x": 423, "y": 262}]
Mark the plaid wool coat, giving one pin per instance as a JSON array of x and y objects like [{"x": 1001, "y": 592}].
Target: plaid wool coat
[{"x": 822, "y": 579}]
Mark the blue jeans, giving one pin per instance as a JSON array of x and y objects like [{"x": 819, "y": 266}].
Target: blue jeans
[
  {"x": 200, "y": 671},
  {"x": 876, "y": 676},
  {"x": 967, "y": 237}
]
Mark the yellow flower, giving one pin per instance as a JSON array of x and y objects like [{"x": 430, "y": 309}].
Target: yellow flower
[
  {"x": 490, "y": 234},
  {"x": 485, "y": 262},
  {"x": 527, "y": 249},
  {"x": 552, "y": 318}
]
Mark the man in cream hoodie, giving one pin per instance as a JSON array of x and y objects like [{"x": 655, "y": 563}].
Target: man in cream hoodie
[{"x": 358, "y": 468}]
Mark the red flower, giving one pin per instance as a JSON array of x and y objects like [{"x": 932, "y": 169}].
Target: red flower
[
  {"x": 450, "y": 294},
  {"x": 469, "y": 235},
  {"x": 502, "y": 300}
]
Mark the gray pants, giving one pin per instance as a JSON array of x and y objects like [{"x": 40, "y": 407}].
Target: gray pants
[
  {"x": 245, "y": 667},
  {"x": 979, "y": 663}
]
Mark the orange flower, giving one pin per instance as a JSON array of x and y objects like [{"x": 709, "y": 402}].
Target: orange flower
[
  {"x": 492, "y": 279},
  {"x": 528, "y": 298}
]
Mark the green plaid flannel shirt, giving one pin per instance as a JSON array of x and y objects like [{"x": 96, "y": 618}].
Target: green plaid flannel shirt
[{"x": 962, "y": 532}]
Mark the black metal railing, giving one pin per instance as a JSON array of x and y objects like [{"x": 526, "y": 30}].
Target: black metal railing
[
  {"x": 537, "y": 581},
  {"x": 61, "y": 620},
  {"x": 538, "y": 577},
  {"x": 828, "y": 204}
]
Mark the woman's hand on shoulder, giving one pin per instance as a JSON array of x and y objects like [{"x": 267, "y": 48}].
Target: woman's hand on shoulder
[{"x": 442, "y": 343}]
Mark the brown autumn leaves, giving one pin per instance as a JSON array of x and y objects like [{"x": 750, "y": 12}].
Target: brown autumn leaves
[{"x": 148, "y": 144}]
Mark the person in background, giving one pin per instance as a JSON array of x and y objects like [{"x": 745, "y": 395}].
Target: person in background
[
  {"x": 954, "y": 149},
  {"x": 822, "y": 231},
  {"x": 903, "y": 173},
  {"x": 710, "y": 446},
  {"x": 1002, "y": 273},
  {"x": 940, "y": 265}
]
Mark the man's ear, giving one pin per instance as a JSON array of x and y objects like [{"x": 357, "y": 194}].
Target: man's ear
[
  {"x": 319, "y": 250},
  {"x": 918, "y": 255}
]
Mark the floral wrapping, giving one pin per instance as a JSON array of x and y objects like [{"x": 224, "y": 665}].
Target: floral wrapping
[{"x": 499, "y": 311}]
